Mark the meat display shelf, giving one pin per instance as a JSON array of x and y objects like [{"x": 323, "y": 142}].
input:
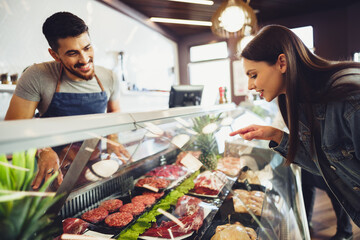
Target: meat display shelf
[{"x": 148, "y": 152}]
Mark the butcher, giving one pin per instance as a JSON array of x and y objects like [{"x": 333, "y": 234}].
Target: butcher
[{"x": 69, "y": 85}]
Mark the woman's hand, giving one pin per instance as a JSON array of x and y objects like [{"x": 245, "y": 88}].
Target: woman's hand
[
  {"x": 260, "y": 132},
  {"x": 48, "y": 164}
]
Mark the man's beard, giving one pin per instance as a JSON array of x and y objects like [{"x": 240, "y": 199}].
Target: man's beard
[{"x": 86, "y": 77}]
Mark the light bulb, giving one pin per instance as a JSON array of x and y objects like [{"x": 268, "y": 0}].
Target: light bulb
[{"x": 232, "y": 19}]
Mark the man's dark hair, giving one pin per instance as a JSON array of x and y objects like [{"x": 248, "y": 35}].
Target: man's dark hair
[{"x": 62, "y": 25}]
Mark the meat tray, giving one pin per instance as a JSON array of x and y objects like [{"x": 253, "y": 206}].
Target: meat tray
[
  {"x": 101, "y": 227},
  {"x": 205, "y": 195},
  {"x": 207, "y": 210},
  {"x": 212, "y": 228},
  {"x": 227, "y": 211}
]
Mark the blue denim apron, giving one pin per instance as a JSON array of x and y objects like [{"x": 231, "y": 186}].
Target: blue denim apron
[{"x": 71, "y": 104}]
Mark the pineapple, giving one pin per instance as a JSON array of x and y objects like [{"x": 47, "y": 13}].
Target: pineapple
[{"x": 206, "y": 142}]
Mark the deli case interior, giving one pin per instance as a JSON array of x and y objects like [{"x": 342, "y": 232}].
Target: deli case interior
[{"x": 193, "y": 180}]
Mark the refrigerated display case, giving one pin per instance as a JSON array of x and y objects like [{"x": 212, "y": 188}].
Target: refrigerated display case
[{"x": 156, "y": 139}]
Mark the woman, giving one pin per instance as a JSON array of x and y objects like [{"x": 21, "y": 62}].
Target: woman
[{"x": 320, "y": 103}]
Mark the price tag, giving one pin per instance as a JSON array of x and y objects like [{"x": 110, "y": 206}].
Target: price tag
[
  {"x": 191, "y": 162},
  {"x": 180, "y": 140},
  {"x": 147, "y": 186},
  {"x": 171, "y": 217}
]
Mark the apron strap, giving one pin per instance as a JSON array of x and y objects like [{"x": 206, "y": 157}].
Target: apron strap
[
  {"x": 59, "y": 81},
  {"x": 100, "y": 84}
]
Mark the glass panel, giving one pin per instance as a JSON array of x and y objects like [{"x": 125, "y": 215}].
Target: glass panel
[{"x": 170, "y": 150}]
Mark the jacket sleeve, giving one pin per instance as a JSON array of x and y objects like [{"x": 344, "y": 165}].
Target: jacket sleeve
[
  {"x": 302, "y": 157},
  {"x": 353, "y": 121}
]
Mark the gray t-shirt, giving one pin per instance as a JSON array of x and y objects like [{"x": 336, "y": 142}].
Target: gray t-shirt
[{"x": 38, "y": 84}]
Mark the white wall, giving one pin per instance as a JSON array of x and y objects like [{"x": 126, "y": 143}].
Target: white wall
[{"x": 150, "y": 58}]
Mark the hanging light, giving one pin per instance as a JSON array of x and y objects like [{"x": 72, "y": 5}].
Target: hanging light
[{"x": 234, "y": 18}]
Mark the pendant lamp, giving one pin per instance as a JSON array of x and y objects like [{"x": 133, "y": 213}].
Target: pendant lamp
[{"x": 234, "y": 18}]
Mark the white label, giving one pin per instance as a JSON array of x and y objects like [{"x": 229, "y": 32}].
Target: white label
[
  {"x": 147, "y": 186},
  {"x": 191, "y": 162},
  {"x": 171, "y": 235},
  {"x": 180, "y": 140},
  {"x": 84, "y": 237}
]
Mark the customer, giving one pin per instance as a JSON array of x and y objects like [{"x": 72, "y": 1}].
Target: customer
[
  {"x": 320, "y": 103},
  {"x": 309, "y": 184},
  {"x": 70, "y": 85}
]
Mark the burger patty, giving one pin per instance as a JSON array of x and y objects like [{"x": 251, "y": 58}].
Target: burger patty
[
  {"x": 147, "y": 200},
  {"x": 154, "y": 194},
  {"x": 133, "y": 208},
  {"x": 95, "y": 215},
  {"x": 112, "y": 205},
  {"x": 119, "y": 219}
]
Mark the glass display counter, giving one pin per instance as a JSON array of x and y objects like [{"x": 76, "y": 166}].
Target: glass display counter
[{"x": 171, "y": 152}]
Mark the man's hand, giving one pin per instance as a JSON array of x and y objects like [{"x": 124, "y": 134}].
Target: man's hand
[
  {"x": 48, "y": 164},
  {"x": 260, "y": 132},
  {"x": 113, "y": 146}
]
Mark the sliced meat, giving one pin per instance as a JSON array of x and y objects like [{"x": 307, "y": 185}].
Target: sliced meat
[
  {"x": 168, "y": 171},
  {"x": 153, "y": 182},
  {"x": 154, "y": 194},
  {"x": 187, "y": 205},
  {"x": 119, "y": 219},
  {"x": 95, "y": 215},
  {"x": 209, "y": 183},
  {"x": 133, "y": 208},
  {"x": 192, "y": 223},
  {"x": 146, "y": 200},
  {"x": 74, "y": 226},
  {"x": 112, "y": 205},
  {"x": 231, "y": 166}
]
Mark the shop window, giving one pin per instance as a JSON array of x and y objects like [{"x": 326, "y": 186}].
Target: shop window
[
  {"x": 356, "y": 57},
  {"x": 210, "y": 66},
  {"x": 306, "y": 34}
]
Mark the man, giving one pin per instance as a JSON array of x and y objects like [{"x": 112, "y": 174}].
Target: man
[{"x": 70, "y": 85}]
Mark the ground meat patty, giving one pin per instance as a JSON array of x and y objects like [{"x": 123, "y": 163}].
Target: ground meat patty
[
  {"x": 119, "y": 219},
  {"x": 112, "y": 205},
  {"x": 146, "y": 200},
  {"x": 133, "y": 208},
  {"x": 153, "y": 181},
  {"x": 95, "y": 215},
  {"x": 154, "y": 194}
]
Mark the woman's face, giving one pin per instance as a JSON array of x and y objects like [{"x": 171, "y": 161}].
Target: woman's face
[{"x": 265, "y": 79}]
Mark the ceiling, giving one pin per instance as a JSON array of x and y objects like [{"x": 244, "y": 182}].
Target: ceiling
[{"x": 266, "y": 11}]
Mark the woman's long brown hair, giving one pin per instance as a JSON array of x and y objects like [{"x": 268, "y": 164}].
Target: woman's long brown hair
[{"x": 307, "y": 77}]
